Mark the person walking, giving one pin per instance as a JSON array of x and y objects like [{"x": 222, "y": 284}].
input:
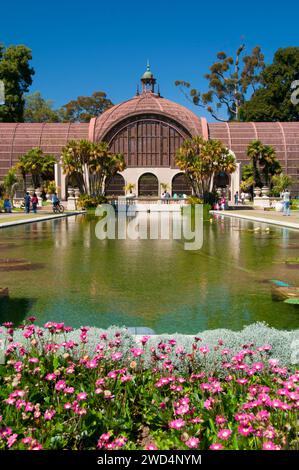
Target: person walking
[
  {"x": 34, "y": 201},
  {"x": 27, "y": 200},
  {"x": 286, "y": 196},
  {"x": 236, "y": 198},
  {"x": 242, "y": 198}
]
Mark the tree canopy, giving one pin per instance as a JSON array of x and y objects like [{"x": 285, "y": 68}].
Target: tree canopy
[
  {"x": 37, "y": 109},
  {"x": 86, "y": 107},
  {"x": 229, "y": 81},
  {"x": 272, "y": 102},
  {"x": 16, "y": 74}
]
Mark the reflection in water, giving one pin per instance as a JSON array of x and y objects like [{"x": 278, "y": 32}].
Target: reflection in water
[
  {"x": 15, "y": 309},
  {"x": 153, "y": 283}
]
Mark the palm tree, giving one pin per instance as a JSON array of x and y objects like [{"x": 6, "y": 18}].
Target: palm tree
[
  {"x": 255, "y": 152},
  {"x": 91, "y": 164},
  {"x": 75, "y": 160},
  {"x": 10, "y": 182},
  {"x": 128, "y": 188},
  {"x": 202, "y": 160},
  {"x": 37, "y": 164},
  {"x": 264, "y": 162}
]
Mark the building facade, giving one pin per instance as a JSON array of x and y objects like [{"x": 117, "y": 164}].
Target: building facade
[{"x": 148, "y": 129}]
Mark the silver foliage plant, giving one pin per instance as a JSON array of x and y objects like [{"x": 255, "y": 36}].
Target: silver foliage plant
[{"x": 284, "y": 344}]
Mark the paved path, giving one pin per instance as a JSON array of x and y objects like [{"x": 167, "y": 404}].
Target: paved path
[
  {"x": 9, "y": 220},
  {"x": 268, "y": 217}
]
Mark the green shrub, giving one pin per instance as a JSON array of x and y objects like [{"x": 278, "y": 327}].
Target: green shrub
[{"x": 88, "y": 202}]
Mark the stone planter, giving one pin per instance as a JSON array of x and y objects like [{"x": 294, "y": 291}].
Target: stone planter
[
  {"x": 77, "y": 193},
  {"x": 265, "y": 191},
  {"x": 71, "y": 192},
  {"x": 279, "y": 206}
]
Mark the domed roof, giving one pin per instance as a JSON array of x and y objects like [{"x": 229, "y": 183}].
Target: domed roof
[{"x": 145, "y": 103}]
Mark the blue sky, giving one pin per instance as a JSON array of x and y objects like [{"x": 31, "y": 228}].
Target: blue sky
[{"x": 80, "y": 47}]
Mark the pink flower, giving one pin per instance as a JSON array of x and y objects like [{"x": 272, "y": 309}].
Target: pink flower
[
  {"x": 137, "y": 352},
  {"x": 208, "y": 403},
  {"x": 192, "y": 443},
  {"x": 105, "y": 437},
  {"x": 144, "y": 339},
  {"x": 177, "y": 423},
  {"x": 51, "y": 376},
  {"x": 245, "y": 430},
  {"x": 268, "y": 445},
  {"x": 242, "y": 381},
  {"x": 216, "y": 446},
  {"x": 120, "y": 441},
  {"x": 91, "y": 364},
  {"x": 204, "y": 349},
  {"x": 60, "y": 385},
  {"x": 33, "y": 360},
  {"x": 48, "y": 415},
  {"x": 10, "y": 401},
  {"x": 67, "y": 406},
  {"x": 224, "y": 434},
  {"x": 69, "y": 390},
  {"x": 220, "y": 419},
  {"x": 151, "y": 446},
  {"x": 11, "y": 440},
  {"x": 82, "y": 396},
  {"x": 116, "y": 356}
]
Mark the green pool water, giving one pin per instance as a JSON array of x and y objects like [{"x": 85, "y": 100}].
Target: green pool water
[{"x": 76, "y": 278}]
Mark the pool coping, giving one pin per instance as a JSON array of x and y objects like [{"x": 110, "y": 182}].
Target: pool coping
[
  {"x": 39, "y": 219},
  {"x": 280, "y": 223}
]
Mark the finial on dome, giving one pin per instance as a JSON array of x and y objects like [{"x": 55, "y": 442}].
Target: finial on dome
[
  {"x": 148, "y": 81},
  {"x": 137, "y": 90}
]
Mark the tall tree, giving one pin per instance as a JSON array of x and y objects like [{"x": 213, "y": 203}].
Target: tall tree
[
  {"x": 16, "y": 74},
  {"x": 230, "y": 79},
  {"x": 202, "y": 160},
  {"x": 86, "y": 107},
  {"x": 272, "y": 102},
  {"x": 37, "y": 109}
]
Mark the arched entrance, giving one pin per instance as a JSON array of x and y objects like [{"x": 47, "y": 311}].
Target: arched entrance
[
  {"x": 221, "y": 180},
  {"x": 148, "y": 185},
  {"x": 180, "y": 185},
  {"x": 115, "y": 186}
]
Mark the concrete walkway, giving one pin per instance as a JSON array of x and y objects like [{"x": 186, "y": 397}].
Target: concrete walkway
[
  {"x": 268, "y": 217},
  {"x": 10, "y": 220}
]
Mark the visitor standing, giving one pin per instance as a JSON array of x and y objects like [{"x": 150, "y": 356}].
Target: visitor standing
[
  {"x": 286, "y": 202},
  {"x": 242, "y": 197},
  {"x": 7, "y": 205},
  {"x": 223, "y": 203},
  {"x": 236, "y": 198},
  {"x": 34, "y": 201},
  {"x": 27, "y": 200}
]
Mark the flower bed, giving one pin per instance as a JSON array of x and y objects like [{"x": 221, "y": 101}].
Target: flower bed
[{"x": 56, "y": 393}]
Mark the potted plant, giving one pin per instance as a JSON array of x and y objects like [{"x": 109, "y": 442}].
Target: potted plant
[{"x": 129, "y": 189}]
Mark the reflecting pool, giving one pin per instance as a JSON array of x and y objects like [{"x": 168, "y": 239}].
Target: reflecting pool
[{"x": 58, "y": 270}]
